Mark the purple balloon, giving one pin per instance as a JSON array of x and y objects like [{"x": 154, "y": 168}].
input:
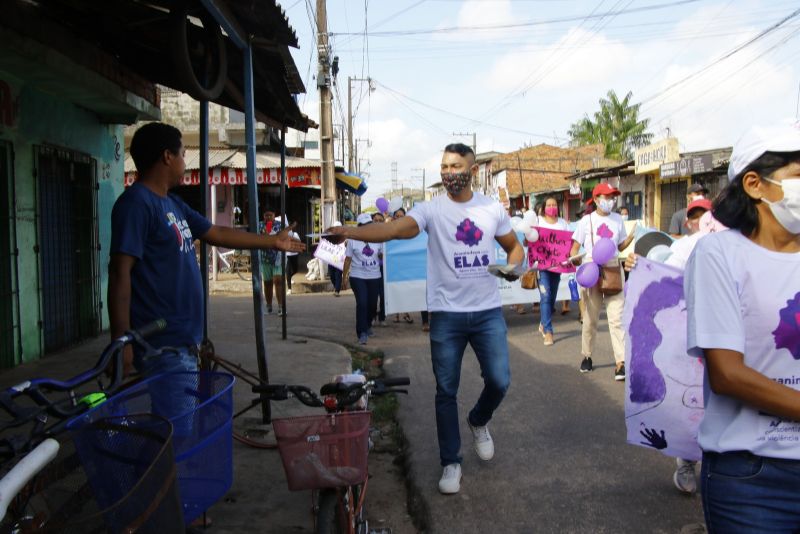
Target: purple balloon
[
  {"x": 382, "y": 204},
  {"x": 588, "y": 274},
  {"x": 603, "y": 251}
]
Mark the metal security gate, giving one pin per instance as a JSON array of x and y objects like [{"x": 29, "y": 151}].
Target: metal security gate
[
  {"x": 69, "y": 277},
  {"x": 673, "y": 198},
  {"x": 9, "y": 281}
]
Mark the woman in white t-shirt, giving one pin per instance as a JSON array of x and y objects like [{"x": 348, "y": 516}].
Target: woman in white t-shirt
[
  {"x": 742, "y": 291},
  {"x": 363, "y": 266},
  {"x": 549, "y": 280},
  {"x": 599, "y": 224}
]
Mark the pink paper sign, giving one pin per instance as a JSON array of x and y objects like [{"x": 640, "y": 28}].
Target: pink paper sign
[{"x": 550, "y": 250}]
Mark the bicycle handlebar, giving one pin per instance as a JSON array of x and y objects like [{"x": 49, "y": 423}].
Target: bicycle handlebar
[
  {"x": 36, "y": 389},
  {"x": 114, "y": 347},
  {"x": 346, "y": 394}
]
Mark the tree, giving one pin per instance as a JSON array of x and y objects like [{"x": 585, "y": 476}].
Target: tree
[{"x": 616, "y": 125}]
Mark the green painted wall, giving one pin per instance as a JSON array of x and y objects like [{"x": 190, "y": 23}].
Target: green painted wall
[{"x": 45, "y": 119}]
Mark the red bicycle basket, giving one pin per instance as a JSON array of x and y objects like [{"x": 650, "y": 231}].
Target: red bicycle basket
[{"x": 323, "y": 451}]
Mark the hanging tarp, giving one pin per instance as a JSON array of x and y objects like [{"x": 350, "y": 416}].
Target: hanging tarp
[{"x": 351, "y": 182}]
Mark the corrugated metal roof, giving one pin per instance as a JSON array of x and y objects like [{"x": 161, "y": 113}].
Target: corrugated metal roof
[
  {"x": 235, "y": 158},
  {"x": 271, "y": 160}
]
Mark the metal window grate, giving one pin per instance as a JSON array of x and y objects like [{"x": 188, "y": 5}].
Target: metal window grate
[
  {"x": 673, "y": 198},
  {"x": 10, "y": 333},
  {"x": 69, "y": 278}
]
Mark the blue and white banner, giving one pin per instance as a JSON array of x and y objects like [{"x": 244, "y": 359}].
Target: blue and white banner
[{"x": 405, "y": 271}]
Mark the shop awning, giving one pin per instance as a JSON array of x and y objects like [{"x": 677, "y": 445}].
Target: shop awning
[
  {"x": 351, "y": 182},
  {"x": 228, "y": 166}
]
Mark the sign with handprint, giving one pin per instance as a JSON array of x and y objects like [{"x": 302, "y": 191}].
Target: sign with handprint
[{"x": 664, "y": 387}]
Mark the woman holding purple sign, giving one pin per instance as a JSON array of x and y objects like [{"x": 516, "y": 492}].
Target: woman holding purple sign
[{"x": 548, "y": 279}]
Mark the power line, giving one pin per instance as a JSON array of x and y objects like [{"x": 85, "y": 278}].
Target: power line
[
  {"x": 454, "y": 29},
  {"x": 727, "y": 55},
  {"x": 457, "y": 115}
]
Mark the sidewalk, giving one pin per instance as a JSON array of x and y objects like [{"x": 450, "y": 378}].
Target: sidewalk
[{"x": 258, "y": 500}]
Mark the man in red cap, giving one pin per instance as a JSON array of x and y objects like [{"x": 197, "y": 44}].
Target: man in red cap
[{"x": 599, "y": 224}]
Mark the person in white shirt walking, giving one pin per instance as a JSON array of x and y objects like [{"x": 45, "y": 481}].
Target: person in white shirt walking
[
  {"x": 549, "y": 280},
  {"x": 362, "y": 267},
  {"x": 742, "y": 290},
  {"x": 462, "y": 297},
  {"x": 599, "y": 224}
]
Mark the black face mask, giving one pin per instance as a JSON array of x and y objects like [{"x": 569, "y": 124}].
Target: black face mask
[{"x": 455, "y": 182}]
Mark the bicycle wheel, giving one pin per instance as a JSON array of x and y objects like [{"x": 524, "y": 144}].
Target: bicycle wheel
[
  {"x": 242, "y": 271},
  {"x": 329, "y": 513}
]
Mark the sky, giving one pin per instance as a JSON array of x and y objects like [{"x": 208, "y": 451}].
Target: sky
[{"x": 520, "y": 72}]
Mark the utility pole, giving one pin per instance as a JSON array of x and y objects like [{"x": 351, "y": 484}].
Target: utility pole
[
  {"x": 474, "y": 139},
  {"x": 328, "y": 189},
  {"x": 424, "y": 198},
  {"x": 394, "y": 176},
  {"x": 352, "y": 161}
]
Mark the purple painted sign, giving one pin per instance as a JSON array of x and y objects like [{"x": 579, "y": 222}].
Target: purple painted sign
[
  {"x": 550, "y": 250},
  {"x": 664, "y": 387}
]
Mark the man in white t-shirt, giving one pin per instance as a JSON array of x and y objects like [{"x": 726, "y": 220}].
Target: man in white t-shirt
[{"x": 462, "y": 297}]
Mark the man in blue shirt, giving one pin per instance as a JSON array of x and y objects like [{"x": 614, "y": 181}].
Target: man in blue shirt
[{"x": 153, "y": 272}]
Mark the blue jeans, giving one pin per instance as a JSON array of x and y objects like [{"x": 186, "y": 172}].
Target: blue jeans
[
  {"x": 336, "y": 277},
  {"x": 743, "y": 492},
  {"x": 485, "y": 331},
  {"x": 548, "y": 288},
  {"x": 366, "y": 293},
  {"x": 171, "y": 399}
]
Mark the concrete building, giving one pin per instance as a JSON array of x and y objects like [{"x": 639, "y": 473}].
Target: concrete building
[{"x": 68, "y": 84}]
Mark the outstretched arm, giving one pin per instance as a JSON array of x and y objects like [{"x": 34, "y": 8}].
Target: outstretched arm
[
  {"x": 402, "y": 228},
  {"x": 511, "y": 245},
  {"x": 223, "y": 236}
]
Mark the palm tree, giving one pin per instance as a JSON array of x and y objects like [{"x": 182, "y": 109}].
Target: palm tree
[{"x": 616, "y": 125}]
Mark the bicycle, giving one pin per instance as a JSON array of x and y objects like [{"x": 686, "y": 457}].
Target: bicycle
[
  {"x": 118, "y": 470},
  {"x": 328, "y": 453},
  {"x": 232, "y": 261}
]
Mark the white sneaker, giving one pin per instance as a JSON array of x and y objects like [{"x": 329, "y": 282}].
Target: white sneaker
[
  {"x": 451, "y": 479},
  {"x": 288, "y": 291},
  {"x": 482, "y": 440},
  {"x": 684, "y": 478}
]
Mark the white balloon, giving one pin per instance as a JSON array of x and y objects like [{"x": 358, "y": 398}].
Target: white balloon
[
  {"x": 523, "y": 227},
  {"x": 531, "y": 218},
  {"x": 395, "y": 204},
  {"x": 515, "y": 222},
  {"x": 532, "y": 235}
]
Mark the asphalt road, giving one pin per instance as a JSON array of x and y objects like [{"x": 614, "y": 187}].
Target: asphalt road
[{"x": 561, "y": 463}]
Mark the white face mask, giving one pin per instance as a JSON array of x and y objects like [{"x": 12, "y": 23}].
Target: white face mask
[
  {"x": 624, "y": 217},
  {"x": 607, "y": 205},
  {"x": 787, "y": 210}
]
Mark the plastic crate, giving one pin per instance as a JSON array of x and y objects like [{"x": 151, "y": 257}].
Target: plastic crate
[
  {"x": 200, "y": 406},
  {"x": 323, "y": 451}
]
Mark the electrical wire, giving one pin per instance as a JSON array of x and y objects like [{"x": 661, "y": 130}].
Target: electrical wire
[{"x": 455, "y": 29}]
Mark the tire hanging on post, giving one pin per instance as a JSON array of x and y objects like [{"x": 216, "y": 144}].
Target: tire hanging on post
[{"x": 210, "y": 82}]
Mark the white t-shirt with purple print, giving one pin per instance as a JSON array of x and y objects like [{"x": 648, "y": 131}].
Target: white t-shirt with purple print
[
  {"x": 745, "y": 298},
  {"x": 364, "y": 259},
  {"x": 461, "y": 245}
]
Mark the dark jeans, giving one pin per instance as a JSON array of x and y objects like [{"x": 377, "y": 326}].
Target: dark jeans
[
  {"x": 548, "y": 288},
  {"x": 743, "y": 492},
  {"x": 366, "y": 292},
  {"x": 336, "y": 277},
  {"x": 381, "y": 302},
  {"x": 291, "y": 269},
  {"x": 485, "y": 331},
  {"x": 170, "y": 399},
  {"x": 424, "y": 315}
]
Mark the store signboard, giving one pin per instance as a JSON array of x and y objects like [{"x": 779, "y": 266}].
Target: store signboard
[
  {"x": 687, "y": 166},
  {"x": 651, "y": 157}
]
